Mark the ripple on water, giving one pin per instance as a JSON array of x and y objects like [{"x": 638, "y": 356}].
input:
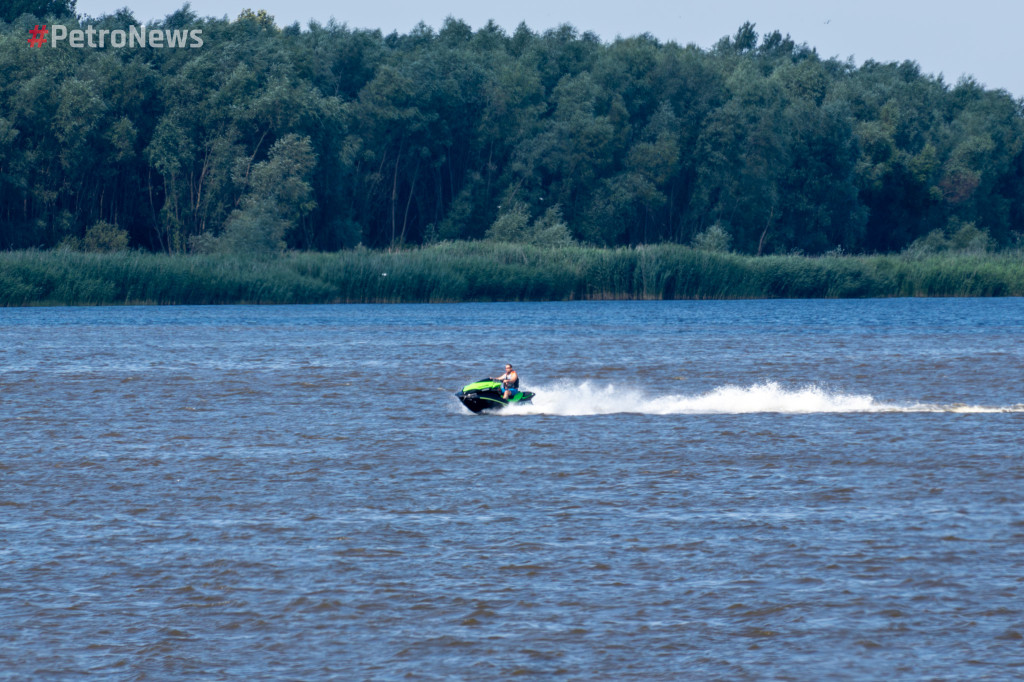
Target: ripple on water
[{"x": 262, "y": 492}]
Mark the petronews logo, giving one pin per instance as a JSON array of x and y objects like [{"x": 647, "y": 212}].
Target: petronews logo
[{"x": 135, "y": 36}]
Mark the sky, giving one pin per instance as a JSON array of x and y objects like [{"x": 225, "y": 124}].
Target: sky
[{"x": 980, "y": 39}]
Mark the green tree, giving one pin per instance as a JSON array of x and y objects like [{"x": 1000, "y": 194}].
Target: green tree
[
  {"x": 715, "y": 239},
  {"x": 426, "y": 135},
  {"x": 105, "y": 237},
  {"x": 12, "y": 9},
  {"x": 513, "y": 225},
  {"x": 278, "y": 200}
]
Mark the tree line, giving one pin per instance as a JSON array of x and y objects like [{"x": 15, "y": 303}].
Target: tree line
[{"x": 327, "y": 137}]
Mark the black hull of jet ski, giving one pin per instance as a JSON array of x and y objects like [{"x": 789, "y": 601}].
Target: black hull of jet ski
[{"x": 480, "y": 396}]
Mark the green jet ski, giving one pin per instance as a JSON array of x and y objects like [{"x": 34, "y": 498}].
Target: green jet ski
[{"x": 487, "y": 394}]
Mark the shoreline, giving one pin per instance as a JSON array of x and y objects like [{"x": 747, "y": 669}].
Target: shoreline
[{"x": 453, "y": 272}]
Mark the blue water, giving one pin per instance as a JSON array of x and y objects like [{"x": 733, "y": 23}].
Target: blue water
[{"x": 754, "y": 490}]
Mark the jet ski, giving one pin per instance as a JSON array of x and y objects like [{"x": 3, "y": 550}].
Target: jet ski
[{"x": 487, "y": 394}]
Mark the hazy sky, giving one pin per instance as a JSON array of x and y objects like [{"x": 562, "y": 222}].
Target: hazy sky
[{"x": 979, "y": 38}]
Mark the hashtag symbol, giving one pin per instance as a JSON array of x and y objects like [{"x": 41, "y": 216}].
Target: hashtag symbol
[{"x": 38, "y": 36}]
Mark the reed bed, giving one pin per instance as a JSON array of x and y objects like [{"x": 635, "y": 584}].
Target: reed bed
[{"x": 485, "y": 271}]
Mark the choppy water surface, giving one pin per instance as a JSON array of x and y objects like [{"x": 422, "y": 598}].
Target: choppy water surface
[{"x": 742, "y": 490}]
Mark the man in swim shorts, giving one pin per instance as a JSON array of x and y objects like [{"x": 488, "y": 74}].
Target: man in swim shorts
[{"x": 509, "y": 381}]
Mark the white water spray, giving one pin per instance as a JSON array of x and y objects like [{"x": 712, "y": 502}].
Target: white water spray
[{"x": 570, "y": 399}]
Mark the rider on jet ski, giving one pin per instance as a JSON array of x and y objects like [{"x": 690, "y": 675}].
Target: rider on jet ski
[{"x": 509, "y": 381}]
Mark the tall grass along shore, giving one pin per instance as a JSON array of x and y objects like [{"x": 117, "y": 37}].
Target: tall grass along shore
[{"x": 486, "y": 271}]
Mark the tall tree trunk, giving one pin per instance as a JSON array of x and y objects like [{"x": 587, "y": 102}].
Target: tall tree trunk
[
  {"x": 394, "y": 194},
  {"x": 760, "y": 243},
  {"x": 412, "y": 190}
]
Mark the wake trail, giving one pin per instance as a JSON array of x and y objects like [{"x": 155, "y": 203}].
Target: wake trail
[{"x": 570, "y": 399}]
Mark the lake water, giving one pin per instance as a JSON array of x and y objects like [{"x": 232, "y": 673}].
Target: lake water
[{"x": 746, "y": 490}]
